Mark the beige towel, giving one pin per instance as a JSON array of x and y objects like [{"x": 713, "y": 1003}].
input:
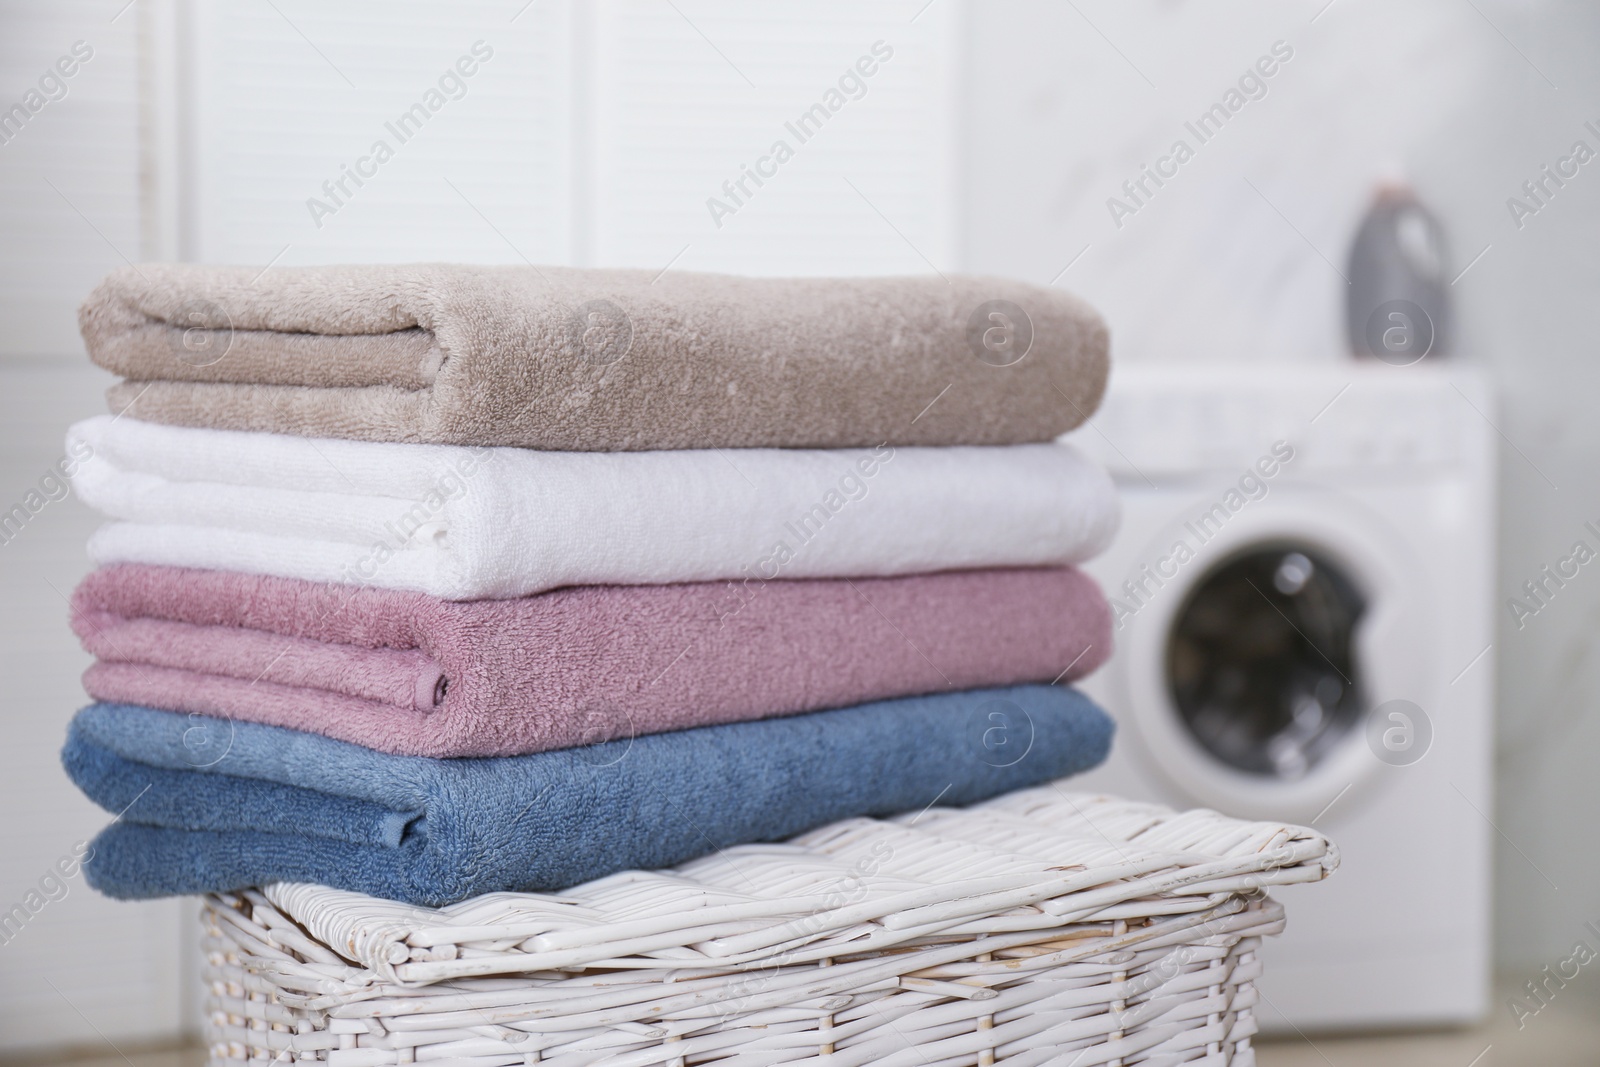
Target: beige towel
[{"x": 596, "y": 360}]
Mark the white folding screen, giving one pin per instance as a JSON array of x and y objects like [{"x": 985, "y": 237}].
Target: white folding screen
[
  {"x": 553, "y": 131},
  {"x": 595, "y": 134},
  {"x": 775, "y": 138},
  {"x": 335, "y": 131},
  {"x": 74, "y": 967},
  {"x": 69, "y": 164}
]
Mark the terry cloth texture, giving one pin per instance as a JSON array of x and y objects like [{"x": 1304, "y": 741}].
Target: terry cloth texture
[
  {"x": 212, "y": 805},
  {"x": 468, "y": 524},
  {"x": 596, "y": 360},
  {"x": 413, "y": 675}
]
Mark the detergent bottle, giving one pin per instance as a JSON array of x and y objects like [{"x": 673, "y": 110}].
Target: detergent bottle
[{"x": 1398, "y": 306}]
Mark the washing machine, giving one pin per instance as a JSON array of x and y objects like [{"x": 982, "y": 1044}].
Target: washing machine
[{"x": 1304, "y": 627}]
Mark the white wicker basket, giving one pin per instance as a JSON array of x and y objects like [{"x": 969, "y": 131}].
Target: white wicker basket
[{"x": 1044, "y": 927}]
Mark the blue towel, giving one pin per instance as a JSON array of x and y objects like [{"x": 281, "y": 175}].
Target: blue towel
[{"x": 209, "y": 804}]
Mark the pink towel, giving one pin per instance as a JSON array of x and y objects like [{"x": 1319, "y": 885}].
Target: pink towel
[{"x": 410, "y": 674}]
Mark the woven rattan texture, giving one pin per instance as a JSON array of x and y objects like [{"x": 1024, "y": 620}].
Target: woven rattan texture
[{"x": 1045, "y": 927}]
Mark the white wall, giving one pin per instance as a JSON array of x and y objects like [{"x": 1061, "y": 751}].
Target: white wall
[
  {"x": 1533, "y": 309},
  {"x": 1454, "y": 94}
]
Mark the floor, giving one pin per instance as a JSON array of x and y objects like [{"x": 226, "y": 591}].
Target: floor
[
  {"x": 1570, "y": 1042},
  {"x": 1564, "y": 1034}
]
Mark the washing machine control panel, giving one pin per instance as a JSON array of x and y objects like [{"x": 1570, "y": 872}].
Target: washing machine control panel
[{"x": 1159, "y": 423}]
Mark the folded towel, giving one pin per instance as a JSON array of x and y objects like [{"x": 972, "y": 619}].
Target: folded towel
[
  {"x": 414, "y": 675},
  {"x": 210, "y": 805},
  {"x": 596, "y": 360},
  {"x": 468, "y": 524}
]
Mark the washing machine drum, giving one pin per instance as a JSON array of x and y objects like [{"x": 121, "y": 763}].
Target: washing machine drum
[{"x": 1261, "y": 663}]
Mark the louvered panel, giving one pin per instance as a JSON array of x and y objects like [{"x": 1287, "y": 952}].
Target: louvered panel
[
  {"x": 293, "y": 95},
  {"x": 687, "y": 94},
  {"x": 69, "y": 169}
]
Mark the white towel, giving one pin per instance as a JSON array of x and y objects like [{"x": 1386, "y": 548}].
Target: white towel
[{"x": 478, "y": 523}]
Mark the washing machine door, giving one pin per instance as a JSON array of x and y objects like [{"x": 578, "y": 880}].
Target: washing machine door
[{"x": 1250, "y": 673}]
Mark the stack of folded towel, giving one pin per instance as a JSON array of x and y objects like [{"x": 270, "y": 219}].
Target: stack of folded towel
[{"x": 433, "y": 581}]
